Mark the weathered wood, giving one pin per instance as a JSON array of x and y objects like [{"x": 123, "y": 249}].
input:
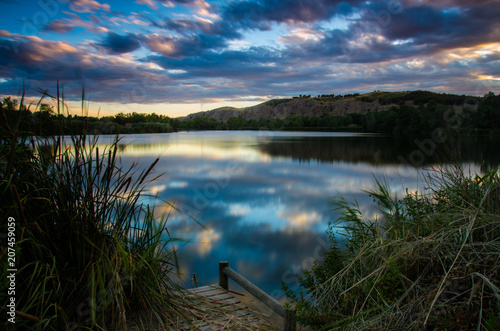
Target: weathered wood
[
  {"x": 223, "y": 280},
  {"x": 289, "y": 316},
  {"x": 255, "y": 291},
  {"x": 224, "y": 301},
  {"x": 290, "y": 322}
]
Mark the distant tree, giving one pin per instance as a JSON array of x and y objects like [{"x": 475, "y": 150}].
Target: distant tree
[
  {"x": 120, "y": 118},
  {"x": 234, "y": 123},
  {"x": 153, "y": 118},
  {"x": 10, "y": 104}
]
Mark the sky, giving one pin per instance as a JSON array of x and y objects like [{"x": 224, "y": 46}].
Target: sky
[{"x": 176, "y": 57}]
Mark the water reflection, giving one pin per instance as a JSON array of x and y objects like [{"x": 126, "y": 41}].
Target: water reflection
[{"x": 263, "y": 198}]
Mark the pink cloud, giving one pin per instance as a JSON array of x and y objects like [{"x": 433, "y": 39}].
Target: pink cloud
[
  {"x": 73, "y": 20},
  {"x": 150, "y": 3},
  {"x": 60, "y": 26},
  {"x": 5, "y": 34},
  {"x": 88, "y": 6}
]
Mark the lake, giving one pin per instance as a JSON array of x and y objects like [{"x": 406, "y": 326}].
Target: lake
[{"x": 261, "y": 198}]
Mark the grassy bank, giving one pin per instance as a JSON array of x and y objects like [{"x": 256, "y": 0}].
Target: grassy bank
[
  {"x": 430, "y": 261},
  {"x": 88, "y": 253}
]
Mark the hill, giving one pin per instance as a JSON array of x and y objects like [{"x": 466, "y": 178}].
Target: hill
[{"x": 335, "y": 105}]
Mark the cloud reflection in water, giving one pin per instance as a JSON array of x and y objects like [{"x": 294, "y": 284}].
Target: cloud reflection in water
[{"x": 263, "y": 199}]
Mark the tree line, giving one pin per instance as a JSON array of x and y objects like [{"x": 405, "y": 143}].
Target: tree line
[
  {"x": 45, "y": 121},
  {"x": 426, "y": 113},
  {"x": 474, "y": 115}
]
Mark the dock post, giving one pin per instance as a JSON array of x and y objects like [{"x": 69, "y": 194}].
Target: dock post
[
  {"x": 289, "y": 320},
  {"x": 223, "y": 279}
]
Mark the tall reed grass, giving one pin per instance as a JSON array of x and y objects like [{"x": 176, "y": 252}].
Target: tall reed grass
[
  {"x": 89, "y": 254},
  {"x": 429, "y": 262}
]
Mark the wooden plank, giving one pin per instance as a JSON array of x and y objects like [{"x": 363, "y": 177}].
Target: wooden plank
[
  {"x": 289, "y": 315},
  {"x": 255, "y": 291},
  {"x": 220, "y": 297},
  {"x": 223, "y": 300},
  {"x": 228, "y": 303},
  {"x": 206, "y": 289}
]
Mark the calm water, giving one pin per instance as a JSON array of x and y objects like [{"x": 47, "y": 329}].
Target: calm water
[{"x": 262, "y": 198}]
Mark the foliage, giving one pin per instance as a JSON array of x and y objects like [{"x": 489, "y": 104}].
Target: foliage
[
  {"x": 275, "y": 102},
  {"x": 47, "y": 121},
  {"x": 413, "y": 113},
  {"x": 89, "y": 254},
  {"x": 430, "y": 261},
  {"x": 425, "y": 112}
]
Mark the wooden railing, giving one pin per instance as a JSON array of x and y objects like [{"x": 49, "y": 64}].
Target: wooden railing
[{"x": 288, "y": 314}]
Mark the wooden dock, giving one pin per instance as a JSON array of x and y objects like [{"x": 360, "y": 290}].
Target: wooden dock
[{"x": 219, "y": 309}]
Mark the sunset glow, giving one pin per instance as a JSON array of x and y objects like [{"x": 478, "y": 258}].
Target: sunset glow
[{"x": 181, "y": 56}]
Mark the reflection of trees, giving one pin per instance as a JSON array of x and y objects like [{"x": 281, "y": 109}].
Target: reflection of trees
[
  {"x": 481, "y": 150},
  {"x": 330, "y": 149},
  {"x": 386, "y": 150}
]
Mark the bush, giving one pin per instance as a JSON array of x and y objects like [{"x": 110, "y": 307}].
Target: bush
[{"x": 428, "y": 262}]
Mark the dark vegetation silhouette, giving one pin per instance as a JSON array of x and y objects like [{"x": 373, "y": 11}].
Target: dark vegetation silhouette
[{"x": 412, "y": 113}]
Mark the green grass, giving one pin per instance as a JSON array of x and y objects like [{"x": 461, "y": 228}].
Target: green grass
[
  {"x": 430, "y": 261},
  {"x": 89, "y": 254}
]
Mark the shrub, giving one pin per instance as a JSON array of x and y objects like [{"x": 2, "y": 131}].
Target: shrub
[{"x": 430, "y": 261}]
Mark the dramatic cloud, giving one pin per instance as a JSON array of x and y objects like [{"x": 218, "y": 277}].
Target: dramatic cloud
[
  {"x": 210, "y": 51},
  {"x": 288, "y": 11},
  {"x": 93, "y": 24},
  {"x": 118, "y": 44},
  {"x": 59, "y": 26},
  {"x": 454, "y": 27},
  {"x": 40, "y": 59},
  {"x": 88, "y": 6},
  {"x": 150, "y": 3},
  {"x": 183, "y": 47}
]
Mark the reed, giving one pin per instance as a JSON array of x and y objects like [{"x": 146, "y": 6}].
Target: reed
[
  {"x": 429, "y": 261},
  {"x": 89, "y": 254}
]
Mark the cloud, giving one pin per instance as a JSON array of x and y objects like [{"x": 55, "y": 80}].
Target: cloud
[
  {"x": 208, "y": 34},
  {"x": 300, "y": 35},
  {"x": 69, "y": 23},
  {"x": 183, "y": 26},
  {"x": 180, "y": 47},
  {"x": 206, "y": 240},
  {"x": 430, "y": 27},
  {"x": 382, "y": 33},
  {"x": 201, "y": 7},
  {"x": 206, "y": 52},
  {"x": 446, "y": 4},
  {"x": 41, "y": 63},
  {"x": 239, "y": 209},
  {"x": 235, "y": 19},
  {"x": 88, "y": 6},
  {"x": 150, "y": 3},
  {"x": 5, "y": 34},
  {"x": 253, "y": 65},
  {"x": 59, "y": 26},
  {"x": 288, "y": 11},
  {"x": 32, "y": 55},
  {"x": 118, "y": 44},
  {"x": 155, "y": 189},
  {"x": 304, "y": 219}
]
